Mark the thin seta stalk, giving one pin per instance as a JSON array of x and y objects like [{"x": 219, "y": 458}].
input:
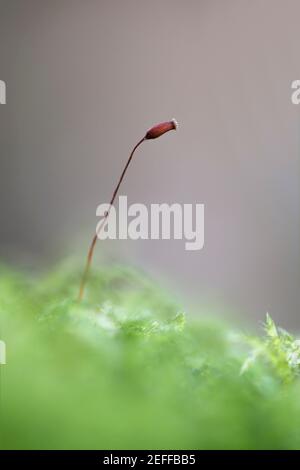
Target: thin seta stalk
[{"x": 153, "y": 133}]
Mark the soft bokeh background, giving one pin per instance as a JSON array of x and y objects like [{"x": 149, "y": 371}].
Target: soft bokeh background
[{"x": 85, "y": 79}]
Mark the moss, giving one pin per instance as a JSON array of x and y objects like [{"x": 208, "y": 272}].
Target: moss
[{"x": 128, "y": 369}]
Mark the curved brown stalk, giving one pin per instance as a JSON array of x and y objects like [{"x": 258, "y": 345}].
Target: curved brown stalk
[
  {"x": 152, "y": 133},
  {"x": 94, "y": 241}
]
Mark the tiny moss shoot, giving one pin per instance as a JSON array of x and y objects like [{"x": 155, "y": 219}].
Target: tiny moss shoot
[{"x": 153, "y": 133}]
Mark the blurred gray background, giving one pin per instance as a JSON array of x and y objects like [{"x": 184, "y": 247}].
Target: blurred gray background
[{"x": 86, "y": 79}]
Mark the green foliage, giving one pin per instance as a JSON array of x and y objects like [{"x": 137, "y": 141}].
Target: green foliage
[
  {"x": 279, "y": 348},
  {"x": 127, "y": 369}
]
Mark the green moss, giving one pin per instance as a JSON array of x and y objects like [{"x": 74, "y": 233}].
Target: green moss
[{"x": 127, "y": 369}]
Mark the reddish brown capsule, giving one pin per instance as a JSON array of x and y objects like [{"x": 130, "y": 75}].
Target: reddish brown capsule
[{"x": 161, "y": 129}]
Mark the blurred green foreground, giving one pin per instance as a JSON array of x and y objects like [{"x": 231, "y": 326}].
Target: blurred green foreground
[{"x": 127, "y": 370}]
